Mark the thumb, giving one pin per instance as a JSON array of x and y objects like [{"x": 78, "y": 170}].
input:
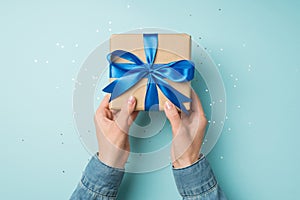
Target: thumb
[
  {"x": 124, "y": 118},
  {"x": 173, "y": 116}
]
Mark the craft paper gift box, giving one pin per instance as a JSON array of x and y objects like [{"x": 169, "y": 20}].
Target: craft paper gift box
[{"x": 170, "y": 48}]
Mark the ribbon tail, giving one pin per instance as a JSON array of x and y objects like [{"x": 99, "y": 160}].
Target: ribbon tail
[
  {"x": 174, "y": 96},
  {"x": 151, "y": 97},
  {"x": 121, "y": 85}
]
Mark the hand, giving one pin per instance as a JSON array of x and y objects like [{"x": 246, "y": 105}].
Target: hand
[
  {"x": 188, "y": 132},
  {"x": 112, "y": 131}
]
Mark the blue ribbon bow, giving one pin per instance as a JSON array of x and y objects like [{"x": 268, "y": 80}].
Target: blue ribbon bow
[{"x": 129, "y": 74}]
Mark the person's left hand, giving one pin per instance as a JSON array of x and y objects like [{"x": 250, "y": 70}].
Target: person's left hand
[{"x": 112, "y": 131}]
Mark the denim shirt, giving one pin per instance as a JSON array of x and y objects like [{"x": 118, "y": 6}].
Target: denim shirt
[{"x": 101, "y": 182}]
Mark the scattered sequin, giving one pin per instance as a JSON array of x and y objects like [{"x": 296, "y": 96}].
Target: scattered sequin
[
  {"x": 46, "y": 61},
  {"x": 206, "y": 90},
  {"x": 219, "y": 64},
  {"x": 35, "y": 60},
  {"x": 128, "y": 6},
  {"x": 62, "y": 46},
  {"x": 221, "y": 157},
  {"x": 97, "y": 30},
  {"x": 109, "y": 22},
  {"x": 76, "y": 45},
  {"x": 249, "y": 68},
  {"x": 238, "y": 106},
  {"x": 73, "y": 61},
  {"x": 221, "y": 49},
  {"x": 57, "y": 44},
  {"x": 229, "y": 129},
  {"x": 234, "y": 86},
  {"x": 109, "y": 29}
]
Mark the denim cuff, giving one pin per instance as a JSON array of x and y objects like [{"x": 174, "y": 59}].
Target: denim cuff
[
  {"x": 195, "y": 179},
  {"x": 101, "y": 178}
]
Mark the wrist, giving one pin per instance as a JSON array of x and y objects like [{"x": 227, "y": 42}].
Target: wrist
[
  {"x": 112, "y": 161},
  {"x": 185, "y": 162}
]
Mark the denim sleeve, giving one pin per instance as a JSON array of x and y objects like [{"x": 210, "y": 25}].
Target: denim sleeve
[
  {"x": 198, "y": 181},
  {"x": 98, "y": 182}
]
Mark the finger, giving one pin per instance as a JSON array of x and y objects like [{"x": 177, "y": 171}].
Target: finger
[
  {"x": 105, "y": 102},
  {"x": 196, "y": 103},
  {"x": 173, "y": 115},
  {"x": 103, "y": 109},
  {"x": 125, "y": 114}
]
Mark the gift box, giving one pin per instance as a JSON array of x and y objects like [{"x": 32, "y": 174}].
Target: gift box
[{"x": 152, "y": 67}]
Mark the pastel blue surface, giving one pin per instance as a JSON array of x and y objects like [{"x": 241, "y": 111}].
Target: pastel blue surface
[{"x": 254, "y": 43}]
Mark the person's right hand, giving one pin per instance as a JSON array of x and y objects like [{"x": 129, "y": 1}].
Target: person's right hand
[{"x": 188, "y": 132}]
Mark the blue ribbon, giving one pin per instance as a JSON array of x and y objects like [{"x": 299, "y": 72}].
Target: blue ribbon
[{"x": 129, "y": 74}]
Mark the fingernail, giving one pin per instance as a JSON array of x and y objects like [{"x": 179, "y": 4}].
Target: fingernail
[
  {"x": 169, "y": 106},
  {"x": 131, "y": 100}
]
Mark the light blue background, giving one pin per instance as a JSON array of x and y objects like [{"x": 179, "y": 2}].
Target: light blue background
[{"x": 41, "y": 154}]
